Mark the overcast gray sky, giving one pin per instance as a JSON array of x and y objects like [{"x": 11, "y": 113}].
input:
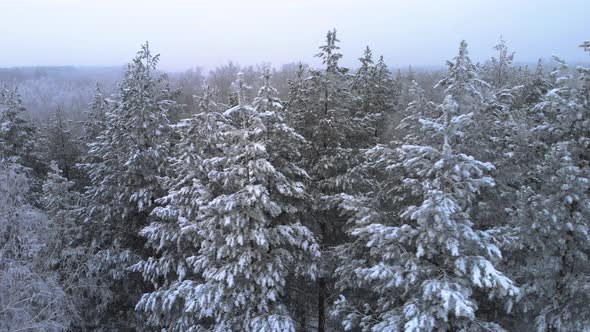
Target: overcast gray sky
[{"x": 208, "y": 33}]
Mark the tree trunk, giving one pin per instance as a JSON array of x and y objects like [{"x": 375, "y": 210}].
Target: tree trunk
[
  {"x": 321, "y": 304},
  {"x": 302, "y": 313}
]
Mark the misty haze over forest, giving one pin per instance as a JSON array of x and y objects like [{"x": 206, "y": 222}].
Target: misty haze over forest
[
  {"x": 210, "y": 33},
  {"x": 246, "y": 166}
]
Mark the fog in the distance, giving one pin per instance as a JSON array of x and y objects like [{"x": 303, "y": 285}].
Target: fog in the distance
[{"x": 208, "y": 33}]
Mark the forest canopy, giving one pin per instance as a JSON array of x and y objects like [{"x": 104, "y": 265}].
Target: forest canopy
[{"x": 296, "y": 198}]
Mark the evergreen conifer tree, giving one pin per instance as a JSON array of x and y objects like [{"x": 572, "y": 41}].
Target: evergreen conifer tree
[{"x": 126, "y": 164}]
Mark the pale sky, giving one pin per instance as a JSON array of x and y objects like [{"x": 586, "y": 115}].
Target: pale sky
[{"x": 207, "y": 33}]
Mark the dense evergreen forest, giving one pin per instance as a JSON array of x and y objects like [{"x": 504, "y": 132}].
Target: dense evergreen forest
[{"x": 297, "y": 199}]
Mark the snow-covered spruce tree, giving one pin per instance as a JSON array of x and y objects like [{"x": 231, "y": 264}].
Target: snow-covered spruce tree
[
  {"x": 284, "y": 143},
  {"x": 373, "y": 97},
  {"x": 31, "y": 298},
  {"x": 430, "y": 271},
  {"x": 94, "y": 126},
  {"x": 463, "y": 82},
  {"x": 501, "y": 134},
  {"x": 17, "y": 135},
  {"x": 398, "y": 83},
  {"x": 281, "y": 152},
  {"x": 237, "y": 222},
  {"x": 69, "y": 251},
  {"x": 375, "y": 203},
  {"x": 562, "y": 114},
  {"x": 125, "y": 164},
  {"x": 267, "y": 100},
  {"x": 174, "y": 233},
  {"x": 363, "y": 86},
  {"x": 298, "y": 98},
  {"x": 535, "y": 86},
  {"x": 405, "y": 96},
  {"x": 550, "y": 238},
  {"x": 547, "y": 239},
  {"x": 390, "y": 93},
  {"x": 370, "y": 197},
  {"x": 472, "y": 95},
  {"x": 499, "y": 72},
  {"x": 61, "y": 146},
  {"x": 96, "y": 123},
  {"x": 324, "y": 116},
  {"x": 418, "y": 108}
]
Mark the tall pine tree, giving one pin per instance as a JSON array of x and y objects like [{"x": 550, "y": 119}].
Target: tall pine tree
[
  {"x": 243, "y": 222},
  {"x": 425, "y": 273},
  {"x": 125, "y": 165}
]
